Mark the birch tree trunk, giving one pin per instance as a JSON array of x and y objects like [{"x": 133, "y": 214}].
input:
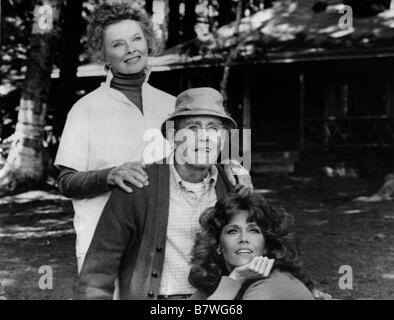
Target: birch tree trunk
[{"x": 25, "y": 162}]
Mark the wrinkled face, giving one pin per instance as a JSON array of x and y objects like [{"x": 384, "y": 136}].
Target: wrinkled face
[
  {"x": 241, "y": 241},
  {"x": 125, "y": 47},
  {"x": 198, "y": 140}
]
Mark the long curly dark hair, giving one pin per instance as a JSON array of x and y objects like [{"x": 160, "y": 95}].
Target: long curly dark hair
[{"x": 207, "y": 267}]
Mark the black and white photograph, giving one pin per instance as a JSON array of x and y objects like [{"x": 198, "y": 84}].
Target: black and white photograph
[{"x": 195, "y": 150}]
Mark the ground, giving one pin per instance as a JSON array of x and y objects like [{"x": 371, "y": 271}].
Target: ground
[{"x": 332, "y": 230}]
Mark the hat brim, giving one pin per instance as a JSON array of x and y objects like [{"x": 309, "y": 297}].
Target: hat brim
[{"x": 184, "y": 113}]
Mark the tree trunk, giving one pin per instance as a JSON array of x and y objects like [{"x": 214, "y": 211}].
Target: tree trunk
[
  {"x": 226, "y": 13},
  {"x": 70, "y": 48},
  {"x": 232, "y": 55},
  {"x": 367, "y": 8},
  {"x": 174, "y": 23},
  {"x": 268, "y": 3},
  {"x": 149, "y": 6},
  {"x": 189, "y": 20},
  {"x": 25, "y": 165}
]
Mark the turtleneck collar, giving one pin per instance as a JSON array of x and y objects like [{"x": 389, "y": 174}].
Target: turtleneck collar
[
  {"x": 130, "y": 85},
  {"x": 125, "y": 81}
]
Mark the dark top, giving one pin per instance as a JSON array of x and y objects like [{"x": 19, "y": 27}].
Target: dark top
[
  {"x": 130, "y": 85},
  {"x": 279, "y": 285},
  {"x": 75, "y": 184}
]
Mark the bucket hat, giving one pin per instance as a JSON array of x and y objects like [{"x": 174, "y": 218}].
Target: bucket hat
[{"x": 200, "y": 102}]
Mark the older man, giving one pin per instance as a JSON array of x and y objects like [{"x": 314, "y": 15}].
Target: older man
[{"x": 146, "y": 236}]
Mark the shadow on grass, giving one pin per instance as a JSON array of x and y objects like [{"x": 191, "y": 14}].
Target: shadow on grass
[{"x": 36, "y": 229}]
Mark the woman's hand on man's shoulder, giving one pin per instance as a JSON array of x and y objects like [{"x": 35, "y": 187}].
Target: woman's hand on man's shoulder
[
  {"x": 237, "y": 174},
  {"x": 129, "y": 173}
]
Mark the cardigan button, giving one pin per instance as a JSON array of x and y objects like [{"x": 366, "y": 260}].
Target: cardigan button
[
  {"x": 155, "y": 274},
  {"x": 151, "y": 294},
  {"x": 159, "y": 249}
]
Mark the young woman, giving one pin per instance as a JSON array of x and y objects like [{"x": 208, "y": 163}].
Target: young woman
[{"x": 244, "y": 252}]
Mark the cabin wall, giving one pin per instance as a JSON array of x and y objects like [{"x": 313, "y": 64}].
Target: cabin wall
[{"x": 329, "y": 112}]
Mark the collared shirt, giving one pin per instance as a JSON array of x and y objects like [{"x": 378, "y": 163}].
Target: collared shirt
[
  {"x": 140, "y": 266},
  {"x": 187, "y": 202},
  {"x": 105, "y": 129}
]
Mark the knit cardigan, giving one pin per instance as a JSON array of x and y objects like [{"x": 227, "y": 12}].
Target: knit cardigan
[{"x": 129, "y": 240}]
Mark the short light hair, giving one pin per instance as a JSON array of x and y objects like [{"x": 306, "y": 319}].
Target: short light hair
[{"x": 108, "y": 14}]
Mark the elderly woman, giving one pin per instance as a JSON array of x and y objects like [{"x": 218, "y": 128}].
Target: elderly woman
[
  {"x": 102, "y": 144},
  {"x": 243, "y": 237}
]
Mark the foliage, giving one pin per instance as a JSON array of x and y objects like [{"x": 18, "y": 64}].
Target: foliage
[
  {"x": 294, "y": 25},
  {"x": 289, "y": 25},
  {"x": 16, "y": 24},
  {"x": 15, "y": 29}
]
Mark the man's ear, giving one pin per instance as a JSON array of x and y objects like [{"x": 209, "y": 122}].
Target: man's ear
[{"x": 224, "y": 139}]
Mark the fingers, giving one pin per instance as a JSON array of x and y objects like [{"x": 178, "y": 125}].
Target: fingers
[
  {"x": 229, "y": 174},
  {"x": 254, "y": 264},
  {"x": 241, "y": 173},
  {"x": 237, "y": 168},
  {"x": 261, "y": 265},
  {"x": 140, "y": 169},
  {"x": 258, "y": 266},
  {"x": 245, "y": 180},
  {"x": 130, "y": 172},
  {"x": 135, "y": 178},
  {"x": 268, "y": 268},
  {"x": 135, "y": 169},
  {"x": 243, "y": 191},
  {"x": 119, "y": 182}
]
